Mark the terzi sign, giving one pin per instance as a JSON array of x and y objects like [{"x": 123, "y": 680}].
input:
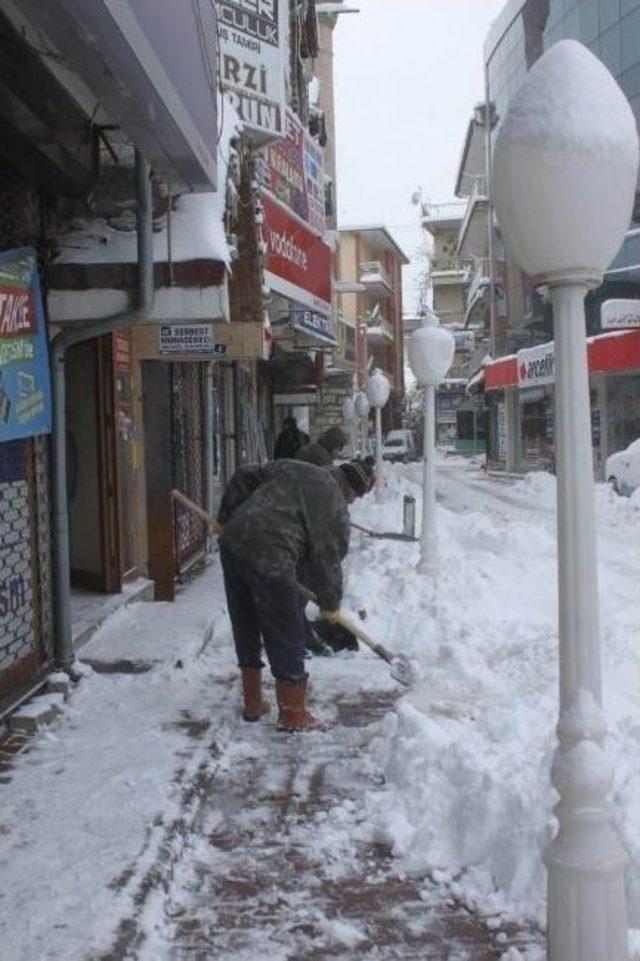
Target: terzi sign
[
  {"x": 536, "y": 366},
  {"x": 298, "y": 262},
  {"x": 25, "y": 383},
  {"x": 253, "y": 54}
]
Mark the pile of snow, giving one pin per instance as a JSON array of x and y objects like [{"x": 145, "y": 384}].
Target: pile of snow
[{"x": 466, "y": 756}]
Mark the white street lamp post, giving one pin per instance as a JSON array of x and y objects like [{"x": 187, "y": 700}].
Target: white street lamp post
[
  {"x": 431, "y": 350},
  {"x": 564, "y": 179},
  {"x": 349, "y": 417},
  {"x": 378, "y": 390},
  {"x": 362, "y": 410}
]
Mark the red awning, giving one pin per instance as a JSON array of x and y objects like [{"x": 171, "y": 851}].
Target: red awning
[{"x": 613, "y": 352}]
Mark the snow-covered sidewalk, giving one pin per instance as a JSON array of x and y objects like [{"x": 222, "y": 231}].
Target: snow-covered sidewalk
[{"x": 151, "y": 823}]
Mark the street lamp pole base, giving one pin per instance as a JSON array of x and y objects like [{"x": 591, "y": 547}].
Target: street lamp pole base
[{"x": 586, "y": 899}]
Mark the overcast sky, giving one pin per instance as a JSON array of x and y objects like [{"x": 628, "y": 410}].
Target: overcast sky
[{"x": 407, "y": 74}]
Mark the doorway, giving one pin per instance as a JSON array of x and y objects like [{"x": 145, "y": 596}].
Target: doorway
[{"x": 92, "y": 472}]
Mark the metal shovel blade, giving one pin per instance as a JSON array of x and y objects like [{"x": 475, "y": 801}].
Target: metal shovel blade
[{"x": 402, "y": 671}]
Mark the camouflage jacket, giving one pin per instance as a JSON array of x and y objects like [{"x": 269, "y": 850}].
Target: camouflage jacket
[{"x": 289, "y": 519}]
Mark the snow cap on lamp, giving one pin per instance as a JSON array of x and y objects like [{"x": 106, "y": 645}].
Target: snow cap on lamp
[
  {"x": 431, "y": 350},
  {"x": 362, "y": 404},
  {"x": 348, "y": 410},
  {"x": 565, "y": 166},
  {"x": 378, "y": 389}
]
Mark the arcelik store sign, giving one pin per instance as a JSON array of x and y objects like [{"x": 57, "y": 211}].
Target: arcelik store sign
[
  {"x": 536, "y": 366},
  {"x": 298, "y": 264}
]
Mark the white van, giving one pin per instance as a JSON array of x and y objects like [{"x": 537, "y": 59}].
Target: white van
[{"x": 399, "y": 445}]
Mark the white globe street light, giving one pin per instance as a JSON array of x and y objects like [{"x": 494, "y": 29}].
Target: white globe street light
[
  {"x": 431, "y": 350},
  {"x": 564, "y": 179},
  {"x": 362, "y": 410},
  {"x": 349, "y": 417},
  {"x": 378, "y": 390}
]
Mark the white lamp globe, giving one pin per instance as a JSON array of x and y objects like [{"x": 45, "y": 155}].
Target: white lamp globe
[
  {"x": 565, "y": 166},
  {"x": 362, "y": 404},
  {"x": 348, "y": 410},
  {"x": 431, "y": 350},
  {"x": 378, "y": 389}
]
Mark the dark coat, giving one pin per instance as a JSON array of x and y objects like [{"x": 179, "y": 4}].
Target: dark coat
[
  {"x": 293, "y": 518},
  {"x": 315, "y": 454},
  {"x": 289, "y": 442}
]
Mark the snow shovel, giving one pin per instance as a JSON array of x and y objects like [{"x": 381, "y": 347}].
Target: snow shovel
[
  {"x": 401, "y": 669},
  {"x": 400, "y": 666},
  {"x": 384, "y": 536}
]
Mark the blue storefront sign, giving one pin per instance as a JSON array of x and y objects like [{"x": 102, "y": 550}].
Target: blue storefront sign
[
  {"x": 25, "y": 381},
  {"x": 318, "y": 325}
]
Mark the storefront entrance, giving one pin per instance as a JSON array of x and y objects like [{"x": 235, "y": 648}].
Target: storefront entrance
[{"x": 92, "y": 473}]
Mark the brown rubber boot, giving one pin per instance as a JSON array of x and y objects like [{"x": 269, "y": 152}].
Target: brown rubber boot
[
  {"x": 292, "y": 711},
  {"x": 254, "y": 706}
]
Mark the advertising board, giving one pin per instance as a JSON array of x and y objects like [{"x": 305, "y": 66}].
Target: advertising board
[{"x": 298, "y": 264}]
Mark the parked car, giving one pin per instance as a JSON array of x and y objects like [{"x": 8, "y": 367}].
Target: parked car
[
  {"x": 399, "y": 445},
  {"x": 623, "y": 469}
]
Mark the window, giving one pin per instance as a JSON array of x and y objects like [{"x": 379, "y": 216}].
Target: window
[
  {"x": 630, "y": 27},
  {"x": 609, "y": 13},
  {"x": 589, "y": 20},
  {"x": 611, "y": 50}
]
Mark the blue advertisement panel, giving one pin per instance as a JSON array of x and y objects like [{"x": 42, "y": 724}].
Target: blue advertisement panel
[{"x": 25, "y": 381}]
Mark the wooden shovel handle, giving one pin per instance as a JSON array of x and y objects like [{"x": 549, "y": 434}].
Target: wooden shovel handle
[
  {"x": 355, "y": 629},
  {"x": 196, "y": 509}
]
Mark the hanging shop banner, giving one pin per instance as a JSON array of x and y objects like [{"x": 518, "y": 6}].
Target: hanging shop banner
[
  {"x": 319, "y": 326},
  {"x": 292, "y": 169},
  {"x": 620, "y": 314},
  {"x": 253, "y": 42},
  {"x": 536, "y": 366},
  {"x": 25, "y": 381},
  {"x": 298, "y": 262}
]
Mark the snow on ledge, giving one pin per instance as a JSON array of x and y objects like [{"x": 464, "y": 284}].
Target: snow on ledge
[{"x": 197, "y": 222}]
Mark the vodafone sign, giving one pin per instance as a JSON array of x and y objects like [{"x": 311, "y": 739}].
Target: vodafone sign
[{"x": 298, "y": 261}]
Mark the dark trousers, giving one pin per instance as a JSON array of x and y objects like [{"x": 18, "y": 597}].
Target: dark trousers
[{"x": 266, "y": 607}]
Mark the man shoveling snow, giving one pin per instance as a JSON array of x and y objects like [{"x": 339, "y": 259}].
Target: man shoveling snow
[{"x": 284, "y": 523}]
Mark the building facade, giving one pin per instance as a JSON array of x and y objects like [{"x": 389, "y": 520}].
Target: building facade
[{"x": 511, "y": 316}]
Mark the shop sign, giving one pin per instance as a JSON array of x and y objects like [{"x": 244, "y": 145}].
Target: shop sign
[
  {"x": 502, "y": 431},
  {"x": 25, "y": 381},
  {"x": 298, "y": 262},
  {"x": 292, "y": 169},
  {"x": 536, "y": 366},
  {"x": 189, "y": 339},
  {"x": 317, "y": 324},
  {"x": 620, "y": 314},
  {"x": 253, "y": 40},
  {"x": 464, "y": 339},
  {"x": 122, "y": 350}
]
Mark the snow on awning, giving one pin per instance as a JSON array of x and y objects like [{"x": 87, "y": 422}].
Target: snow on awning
[{"x": 476, "y": 383}]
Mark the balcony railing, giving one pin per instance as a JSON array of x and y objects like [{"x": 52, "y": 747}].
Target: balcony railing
[
  {"x": 379, "y": 330},
  {"x": 373, "y": 273}
]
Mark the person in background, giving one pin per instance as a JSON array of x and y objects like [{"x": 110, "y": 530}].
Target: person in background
[
  {"x": 289, "y": 440},
  {"x": 284, "y": 522},
  {"x": 325, "y": 450}
]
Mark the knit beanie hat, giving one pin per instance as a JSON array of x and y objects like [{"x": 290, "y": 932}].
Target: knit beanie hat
[{"x": 360, "y": 475}]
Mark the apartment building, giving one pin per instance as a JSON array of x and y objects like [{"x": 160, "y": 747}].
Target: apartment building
[
  {"x": 371, "y": 265},
  {"x": 514, "y": 318}
]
